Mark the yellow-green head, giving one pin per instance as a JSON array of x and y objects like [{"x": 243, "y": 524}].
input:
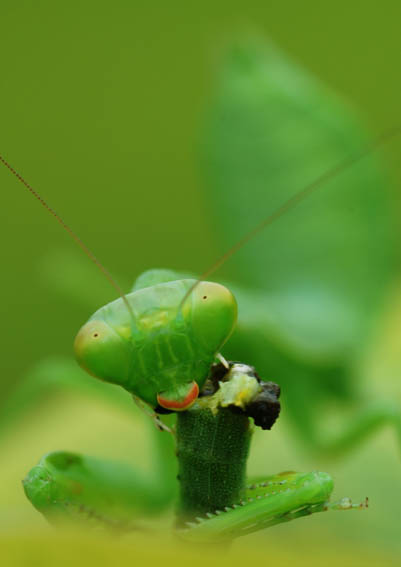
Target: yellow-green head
[{"x": 161, "y": 352}]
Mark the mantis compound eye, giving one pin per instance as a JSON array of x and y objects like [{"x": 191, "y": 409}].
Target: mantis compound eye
[
  {"x": 214, "y": 315},
  {"x": 102, "y": 352}
]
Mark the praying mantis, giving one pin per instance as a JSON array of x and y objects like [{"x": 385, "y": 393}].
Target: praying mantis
[{"x": 281, "y": 330}]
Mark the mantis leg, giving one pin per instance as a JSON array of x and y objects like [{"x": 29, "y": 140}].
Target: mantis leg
[
  {"x": 266, "y": 503},
  {"x": 67, "y": 486}
]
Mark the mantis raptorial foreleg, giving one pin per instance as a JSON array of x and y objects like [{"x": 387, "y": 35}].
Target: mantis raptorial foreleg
[
  {"x": 67, "y": 486},
  {"x": 276, "y": 499}
]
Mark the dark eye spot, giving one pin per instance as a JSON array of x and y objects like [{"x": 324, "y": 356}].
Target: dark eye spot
[
  {"x": 95, "y": 335},
  {"x": 204, "y": 297}
]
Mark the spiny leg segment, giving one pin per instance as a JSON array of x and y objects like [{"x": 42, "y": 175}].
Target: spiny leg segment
[{"x": 277, "y": 499}]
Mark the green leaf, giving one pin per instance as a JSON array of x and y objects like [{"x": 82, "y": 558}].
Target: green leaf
[{"x": 318, "y": 275}]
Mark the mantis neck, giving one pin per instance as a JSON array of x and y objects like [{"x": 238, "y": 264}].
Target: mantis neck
[{"x": 212, "y": 450}]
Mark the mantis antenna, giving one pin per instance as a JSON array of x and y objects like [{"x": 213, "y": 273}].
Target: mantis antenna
[
  {"x": 73, "y": 235},
  {"x": 294, "y": 200},
  {"x": 289, "y": 204}
]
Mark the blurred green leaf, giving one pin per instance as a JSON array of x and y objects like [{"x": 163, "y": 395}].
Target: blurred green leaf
[{"x": 322, "y": 269}]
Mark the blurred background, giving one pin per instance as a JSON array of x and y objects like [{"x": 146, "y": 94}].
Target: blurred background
[{"x": 102, "y": 109}]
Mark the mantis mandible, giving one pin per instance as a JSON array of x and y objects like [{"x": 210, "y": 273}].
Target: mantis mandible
[{"x": 160, "y": 341}]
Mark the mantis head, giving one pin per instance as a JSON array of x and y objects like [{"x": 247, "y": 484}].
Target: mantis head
[{"x": 162, "y": 351}]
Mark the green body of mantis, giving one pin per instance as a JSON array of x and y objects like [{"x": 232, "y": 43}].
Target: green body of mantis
[
  {"x": 303, "y": 327},
  {"x": 213, "y": 438}
]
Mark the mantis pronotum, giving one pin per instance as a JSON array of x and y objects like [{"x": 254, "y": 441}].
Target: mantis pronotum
[{"x": 160, "y": 342}]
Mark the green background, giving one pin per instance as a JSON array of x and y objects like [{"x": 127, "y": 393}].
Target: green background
[{"x": 101, "y": 110}]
